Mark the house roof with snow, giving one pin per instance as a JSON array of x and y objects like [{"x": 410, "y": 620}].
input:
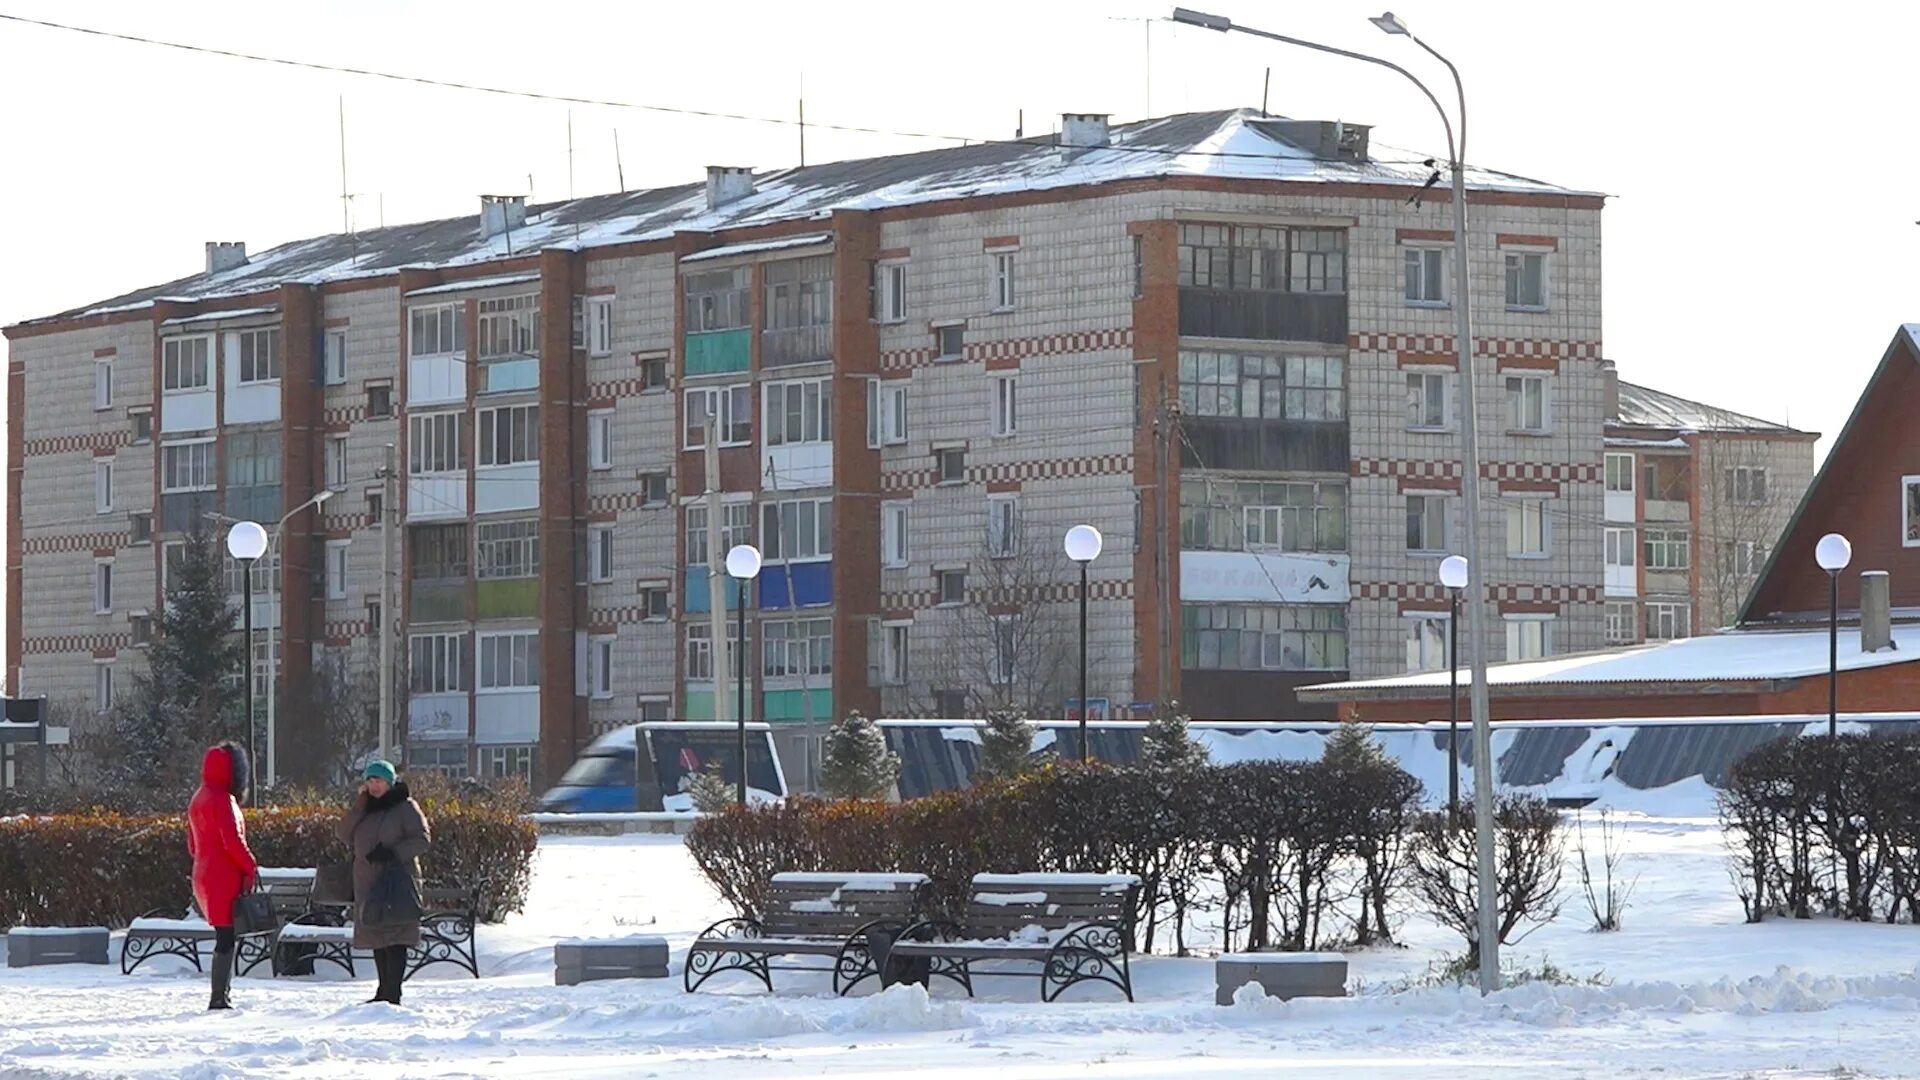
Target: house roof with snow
[
  {"x": 1643, "y": 406},
  {"x": 1238, "y": 144},
  {"x": 1758, "y": 659}
]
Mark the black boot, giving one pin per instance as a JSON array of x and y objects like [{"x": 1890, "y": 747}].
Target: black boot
[
  {"x": 380, "y": 988},
  {"x": 396, "y": 972},
  {"x": 222, "y": 981}
]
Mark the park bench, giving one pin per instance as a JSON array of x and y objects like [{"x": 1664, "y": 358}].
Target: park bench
[
  {"x": 1074, "y": 927},
  {"x": 850, "y": 917},
  {"x": 160, "y": 933},
  {"x": 446, "y": 933}
]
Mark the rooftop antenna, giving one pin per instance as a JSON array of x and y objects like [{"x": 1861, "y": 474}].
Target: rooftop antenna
[
  {"x": 1020, "y": 124},
  {"x": 569, "y": 154},
  {"x": 1265, "y": 81},
  {"x": 1147, "y": 73},
  {"x": 803, "y": 119},
  {"x": 346, "y": 200},
  {"x": 619, "y": 169}
]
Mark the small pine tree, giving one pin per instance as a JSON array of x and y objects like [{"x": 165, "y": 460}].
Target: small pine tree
[
  {"x": 856, "y": 763},
  {"x": 712, "y": 793},
  {"x": 1166, "y": 746},
  {"x": 1005, "y": 743},
  {"x": 195, "y": 652},
  {"x": 1353, "y": 745}
]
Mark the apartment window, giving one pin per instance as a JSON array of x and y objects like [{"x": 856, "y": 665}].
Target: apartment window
[
  {"x": 653, "y": 373},
  {"x": 600, "y": 326},
  {"x": 173, "y": 556},
  {"x": 140, "y": 629},
  {"x": 1620, "y": 473},
  {"x": 791, "y": 647},
  {"x": 951, "y": 463},
  {"x": 1263, "y": 637},
  {"x": 887, "y": 652},
  {"x": 1006, "y": 405},
  {"x": 895, "y": 542},
  {"x": 380, "y": 401},
  {"x": 736, "y": 527},
  {"x": 733, "y": 406},
  {"x": 141, "y": 524},
  {"x": 259, "y": 355},
  {"x": 1526, "y": 281},
  {"x": 262, "y": 571},
  {"x": 655, "y": 710},
  {"x": 951, "y": 586},
  {"x": 1425, "y": 274},
  {"x": 1620, "y": 622},
  {"x": 1237, "y": 515},
  {"x": 141, "y": 420},
  {"x": 1139, "y": 267},
  {"x": 509, "y": 326},
  {"x": 1003, "y": 281},
  {"x": 103, "y": 486},
  {"x": 799, "y": 293},
  {"x": 716, "y": 300},
  {"x": 1529, "y": 638},
  {"x": 1264, "y": 258},
  {"x": 183, "y": 364},
  {"x": 103, "y": 588},
  {"x": 1427, "y": 401},
  {"x": 699, "y": 652},
  {"x": 799, "y": 412},
  {"x": 1618, "y": 544},
  {"x": 654, "y": 602},
  {"x": 509, "y": 661},
  {"x": 1910, "y": 511},
  {"x": 434, "y": 444},
  {"x": 886, "y": 412},
  {"x": 1666, "y": 549},
  {"x": 600, "y": 553},
  {"x": 950, "y": 342},
  {"x": 890, "y": 292},
  {"x": 1527, "y": 403},
  {"x": 1744, "y": 557},
  {"x": 437, "y": 663},
  {"x": 187, "y": 466},
  {"x": 103, "y": 688},
  {"x": 653, "y": 488},
  {"x": 1426, "y": 523},
  {"x": 333, "y": 359},
  {"x": 102, "y": 385},
  {"x": 1746, "y": 484},
  {"x": 437, "y": 330},
  {"x": 600, "y": 439},
  {"x": 797, "y": 530},
  {"x": 600, "y": 678},
  {"x": 336, "y": 462},
  {"x": 1668, "y": 622},
  {"x": 1526, "y": 528},
  {"x": 505, "y": 762},
  {"x": 1258, "y": 387},
  {"x": 509, "y": 435},
  {"x": 447, "y": 761},
  {"x": 1003, "y": 526},
  {"x": 1426, "y": 642},
  {"x": 508, "y": 549},
  {"x": 439, "y": 552},
  {"x": 376, "y": 504},
  {"x": 337, "y": 564}
]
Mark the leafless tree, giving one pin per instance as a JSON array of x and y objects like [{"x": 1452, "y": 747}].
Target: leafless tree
[
  {"x": 1748, "y": 488},
  {"x": 337, "y": 715},
  {"x": 1012, "y": 644},
  {"x": 1605, "y": 887}
]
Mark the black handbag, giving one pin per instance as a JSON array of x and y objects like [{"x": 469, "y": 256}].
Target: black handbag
[
  {"x": 395, "y": 898},
  {"x": 252, "y": 913}
]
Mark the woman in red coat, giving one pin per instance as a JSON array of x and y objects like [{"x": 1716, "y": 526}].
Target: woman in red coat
[{"x": 223, "y": 867}]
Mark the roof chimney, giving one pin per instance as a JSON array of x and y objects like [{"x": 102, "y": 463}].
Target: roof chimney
[
  {"x": 1083, "y": 131},
  {"x": 1876, "y": 611},
  {"x": 500, "y": 213},
  {"x": 1609, "y": 391},
  {"x": 225, "y": 255},
  {"x": 727, "y": 183}
]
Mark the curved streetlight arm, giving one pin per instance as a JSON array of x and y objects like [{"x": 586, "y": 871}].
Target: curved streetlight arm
[{"x": 1459, "y": 89}]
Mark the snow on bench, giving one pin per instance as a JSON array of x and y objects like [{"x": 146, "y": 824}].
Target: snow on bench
[
  {"x": 1116, "y": 883},
  {"x": 1008, "y": 899},
  {"x": 54, "y": 931},
  {"x": 307, "y": 932},
  {"x": 286, "y": 873},
  {"x": 855, "y": 880},
  {"x": 152, "y": 925}
]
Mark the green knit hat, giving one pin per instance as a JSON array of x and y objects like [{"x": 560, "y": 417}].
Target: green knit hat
[{"x": 381, "y": 770}]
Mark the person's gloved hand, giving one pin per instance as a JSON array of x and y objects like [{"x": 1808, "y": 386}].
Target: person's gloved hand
[{"x": 380, "y": 854}]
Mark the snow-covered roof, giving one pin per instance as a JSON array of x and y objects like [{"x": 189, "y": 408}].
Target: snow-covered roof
[
  {"x": 1735, "y": 656},
  {"x": 217, "y": 316},
  {"x": 756, "y": 247},
  {"x": 1231, "y": 144},
  {"x": 475, "y": 283},
  {"x": 1643, "y": 406}
]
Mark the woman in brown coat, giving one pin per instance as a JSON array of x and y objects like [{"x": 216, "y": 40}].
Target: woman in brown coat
[{"x": 384, "y": 827}]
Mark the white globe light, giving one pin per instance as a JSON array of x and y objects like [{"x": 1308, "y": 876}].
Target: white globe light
[
  {"x": 1083, "y": 543},
  {"x": 1453, "y": 572},
  {"x": 1833, "y": 553},
  {"x": 246, "y": 540},
  {"x": 743, "y": 561}
]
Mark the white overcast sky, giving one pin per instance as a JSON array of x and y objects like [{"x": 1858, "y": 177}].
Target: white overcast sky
[{"x": 1761, "y": 165}]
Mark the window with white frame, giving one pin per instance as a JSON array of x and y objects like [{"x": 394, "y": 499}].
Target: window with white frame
[
  {"x": 1003, "y": 668},
  {"x": 655, "y": 602},
  {"x": 337, "y": 462},
  {"x": 1003, "y": 526},
  {"x": 509, "y": 661},
  {"x": 507, "y": 762},
  {"x": 950, "y": 464},
  {"x": 1620, "y": 473},
  {"x": 886, "y": 412},
  {"x": 599, "y": 553},
  {"x": 1526, "y": 528},
  {"x": 950, "y": 586},
  {"x": 1139, "y": 266},
  {"x": 1263, "y": 637},
  {"x": 950, "y": 341},
  {"x": 140, "y": 628},
  {"x": 1745, "y": 484},
  {"x": 1002, "y": 280},
  {"x": 333, "y": 358},
  {"x": 1526, "y": 281},
  {"x": 1666, "y": 549},
  {"x": 1426, "y": 523},
  {"x": 509, "y": 326},
  {"x": 1426, "y": 641},
  {"x": 1262, "y": 387},
  {"x": 1528, "y": 406},
  {"x": 716, "y": 300},
  {"x": 140, "y": 419},
  {"x": 437, "y": 663},
  {"x": 796, "y": 530},
  {"x": 102, "y": 385},
  {"x": 337, "y": 566},
  {"x": 437, "y": 330},
  {"x": 259, "y": 357},
  {"x": 654, "y": 489},
  {"x": 1618, "y": 546},
  {"x": 1669, "y": 622},
  {"x": 799, "y": 412},
  {"x": 700, "y": 654},
  {"x": 1529, "y": 637},
  {"x": 600, "y": 439},
  {"x": 731, "y": 405},
  {"x": 736, "y": 527},
  {"x": 262, "y": 571},
  {"x": 434, "y": 444},
  {"x": 1428, "y": 401},
  {"x": 1620, "y": 622},
  {"x": 184, "y": 363},
  {"x": 103, "y": 587},
  {"x": 887, "y": 652},
  {"x": 895, "y": 534},
  {"x": 187, "y": 466},
  {"x": 793, "y": 647},
  {"x": 1910, "y": 511},
  {"x": 102, "y": 688},
  {"x": 509, "y": 435},
  {"x": 599, "y": 326},
  {"x": 1227, "y": 514},
  {"x": 1006, "y": 405},
  {"x": 103, "y": 485},
  {"x": 507, "y": 549},
  {"x": 600, "y": 678},
  {"x": 890, "y": 292},
  {"x": 1426, "y": 269},
  {"x": 173, "y": 557},
  {"x": 380, "y": 401},
  {"x": 1743, "y": 558}
]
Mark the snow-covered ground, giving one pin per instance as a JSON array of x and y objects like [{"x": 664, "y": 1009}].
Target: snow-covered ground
[{"x": 1690, "y": 992}]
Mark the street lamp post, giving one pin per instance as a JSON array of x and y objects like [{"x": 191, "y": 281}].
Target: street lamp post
[
  {"x": 743, "y": 565},
  {"x": 1083, "y": 545},
  {"x": 1470, "y": 450},
  {"x": 1833, "y": 553},
  {"x": 246, "y": 542},
  {"x": 1453, "y": 575}
]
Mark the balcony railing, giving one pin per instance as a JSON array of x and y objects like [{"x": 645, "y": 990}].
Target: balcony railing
[
  {"x": 1263, "y": 316},
  {"x": 503, "y": 376},
  {"x": 796, "y": 345}
]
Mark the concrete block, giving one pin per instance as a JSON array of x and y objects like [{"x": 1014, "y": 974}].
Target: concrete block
[
  {"x": 1282, "y": 975},
  {"x": 641, "y": 956},
  {"x": 37, "y": 946}
]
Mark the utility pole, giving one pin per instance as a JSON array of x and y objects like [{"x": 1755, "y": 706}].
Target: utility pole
[
  {"x": 716, "y": 562},
  {"x": 385, "y": 629},
  {"x": 1162, "y": 549}
]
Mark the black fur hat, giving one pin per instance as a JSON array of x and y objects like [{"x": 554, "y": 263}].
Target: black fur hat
[{"x": 242, "y": 774}]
